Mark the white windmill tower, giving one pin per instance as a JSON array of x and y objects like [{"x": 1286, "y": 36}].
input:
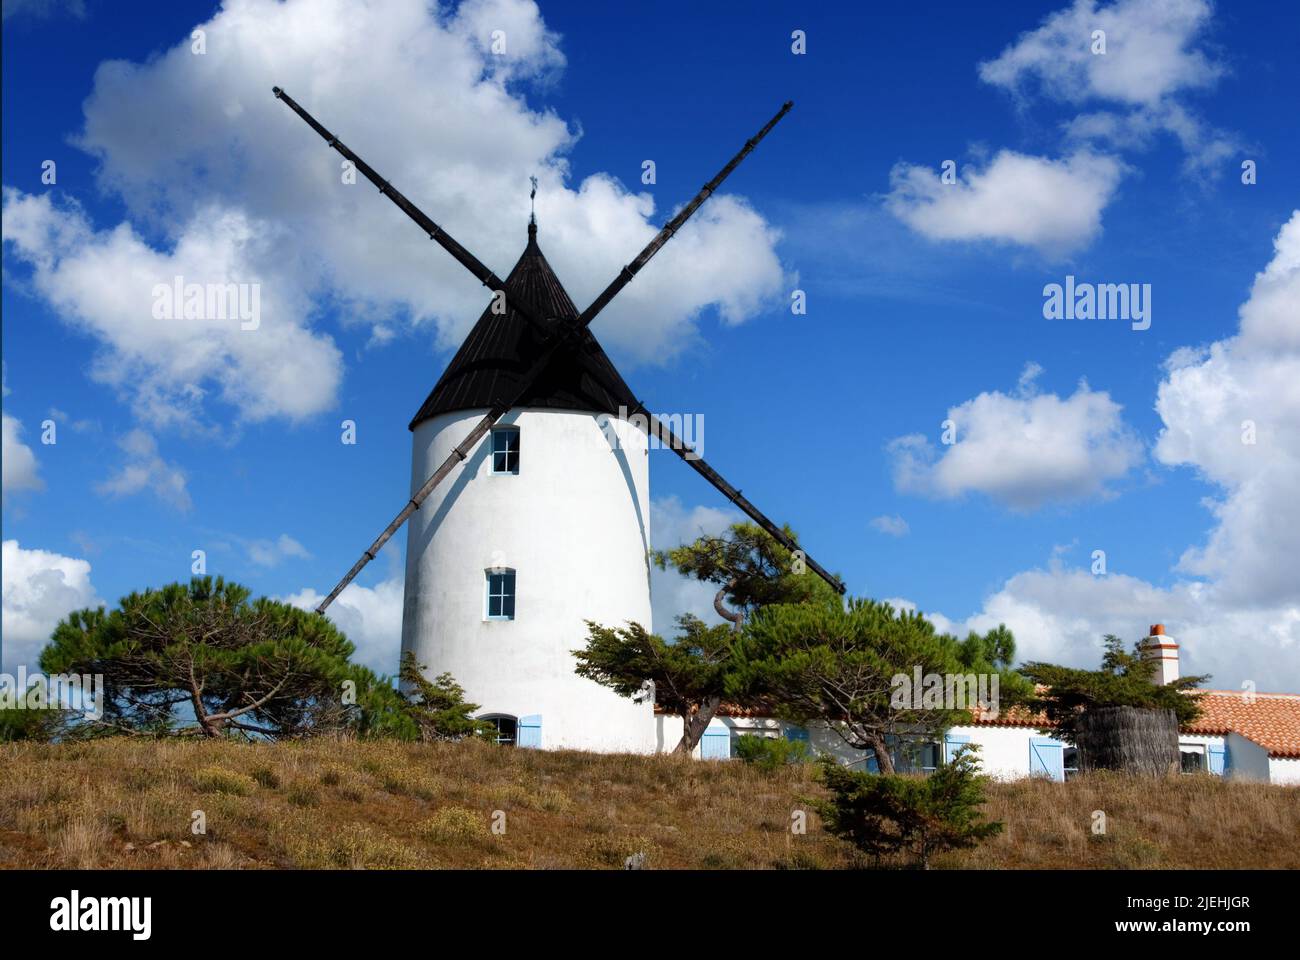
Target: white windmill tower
[{"x": 544, "y": 523}]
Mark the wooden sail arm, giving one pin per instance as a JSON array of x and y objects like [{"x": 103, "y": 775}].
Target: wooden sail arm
[
  {"x": 672, "y": 226},
  {"x": 554, "y": 335},
  {"x": 657, "y": 428},
  {"x": 473, "y": 264}
]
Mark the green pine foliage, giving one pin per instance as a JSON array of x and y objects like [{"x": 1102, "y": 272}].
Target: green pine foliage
[
  {"x": 687, "y": 676},
  {"x": 888, "y": 815},
  {"x": 836, "y": 665},
  {"x": 437, "y": 707},
  {"x": 205, "y": 658},
  {"x": 751, "y": 569},
  {"x": 1124, "y": 680},
  {"x": 769, "y": 754}
]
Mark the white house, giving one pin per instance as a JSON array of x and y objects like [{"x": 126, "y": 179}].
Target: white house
[
  {"x": 1240, "y": 735},
  {"x": 546, "y": 525}
]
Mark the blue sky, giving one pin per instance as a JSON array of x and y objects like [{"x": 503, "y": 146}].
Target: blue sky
[{"x": 925, "y": 299}]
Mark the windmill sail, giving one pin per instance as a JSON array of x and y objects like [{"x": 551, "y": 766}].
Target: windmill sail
[{"x": 551, "y": 327}]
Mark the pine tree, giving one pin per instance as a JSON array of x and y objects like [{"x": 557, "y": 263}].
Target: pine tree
[
  {"x": 438, "y": 707},
  {"x": 820, "y": 662},
  {"x": 886, "y": 815},
  {"x": 236, "y": 666},
  {"x": 688, "y": 675}
]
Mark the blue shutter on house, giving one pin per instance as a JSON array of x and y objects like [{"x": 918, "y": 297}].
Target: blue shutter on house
[
  {"x": 528, "y": 732},
  {"x": 796, "y": 733},
  {"x": 952, "y": 742},
  {"x": 1217, "y": 754},
  {"x": 1047, "y": 758},
  {"x": 716, "y": 744}
]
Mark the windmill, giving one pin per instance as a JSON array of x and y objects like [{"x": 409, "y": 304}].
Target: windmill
[{"x": 529, "y": 377}]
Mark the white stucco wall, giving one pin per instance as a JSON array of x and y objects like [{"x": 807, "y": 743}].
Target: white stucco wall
[
  {"x": 668, "y": 729},
  {"x": 1247, "y": 760},
  {"x": 574, "y": 526},
  {"x": 1285, "y": 770},
  {"x": 1004, "y": 751}
]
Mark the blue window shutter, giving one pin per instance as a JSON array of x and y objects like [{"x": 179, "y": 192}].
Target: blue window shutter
[
  {"x": 715, "y": 744},
  {"x": 1047, "y": 758},
  {"x": 951, "y": 743},
  {"x": 872, "y": 765},
  {"x": 1216, "y": 755},
  {"x": 528, "y": 732},
  {"x": 796, "y": 733}
]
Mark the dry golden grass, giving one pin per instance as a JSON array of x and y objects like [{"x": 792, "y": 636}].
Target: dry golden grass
[{"x": 342, "y": 804}]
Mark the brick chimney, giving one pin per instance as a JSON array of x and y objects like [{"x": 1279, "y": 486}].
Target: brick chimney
[{"x": 1163, "y": 654}]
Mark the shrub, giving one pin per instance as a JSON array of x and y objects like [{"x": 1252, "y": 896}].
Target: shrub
[
  {"x": 886, "y": 814},
  {"x": 769, "y": 754}
]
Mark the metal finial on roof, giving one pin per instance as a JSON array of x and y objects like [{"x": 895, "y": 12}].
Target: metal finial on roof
[{"x": 532, "y": 202}]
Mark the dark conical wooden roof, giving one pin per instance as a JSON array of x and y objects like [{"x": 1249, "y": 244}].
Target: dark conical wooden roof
[{"x": 492, "y": 362}]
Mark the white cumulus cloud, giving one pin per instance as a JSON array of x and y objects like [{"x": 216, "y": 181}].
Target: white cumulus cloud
[
  {"x": 17, "y": 461},
  {"x": 145, "y": 469},
  {"x": 1151, "y": 57},
  {"x": 111, "y": 284},
  {"x": 1232, "y": 412},
  {"x": 891, "y": 526},
  {"x": 1024, "y": 449},
  {"x": 422, "y": 97},
  {"x": 1236, "y": 608},
  {"x": 371, "y": 617},
  {"x": 271, "y": 553},
  {"x": 40, "y": 589},
  {"x": 1053, "y": 206},
  {"x": 1150, "y": 52}
]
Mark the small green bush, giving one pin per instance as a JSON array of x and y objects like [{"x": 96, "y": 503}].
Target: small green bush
[{"x": 769, "y": 754}]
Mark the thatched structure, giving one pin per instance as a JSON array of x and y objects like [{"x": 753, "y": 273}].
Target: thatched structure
[{"x": 1132, "y": 739}]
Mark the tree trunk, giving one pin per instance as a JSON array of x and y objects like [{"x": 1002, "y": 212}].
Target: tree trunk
[
  {"x": 883, "y": 758},
  {"x": 735, "y": 616},
  {"x": 693, "y": 726}
]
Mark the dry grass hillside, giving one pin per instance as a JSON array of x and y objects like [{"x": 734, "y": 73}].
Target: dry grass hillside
[{"x": 125, "y": 803}]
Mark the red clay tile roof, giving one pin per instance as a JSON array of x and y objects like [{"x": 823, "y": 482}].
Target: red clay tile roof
[{"x": 1272, "y": 720}]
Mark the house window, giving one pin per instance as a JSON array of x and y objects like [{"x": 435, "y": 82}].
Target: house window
[
  {"x": 506, "y": 729},
  {"x": 1192, "y": 757},
  {"x": 505, "y": 450},
  {"x": 500, "y": 595},
  {"x": 1070, "y": 761},
  {"x": 915, "y": 756}
]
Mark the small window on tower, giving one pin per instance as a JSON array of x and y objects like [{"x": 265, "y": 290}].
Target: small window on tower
[
  {"x": 500, "y": 595},
  {"x": 505, "y": 449}
]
